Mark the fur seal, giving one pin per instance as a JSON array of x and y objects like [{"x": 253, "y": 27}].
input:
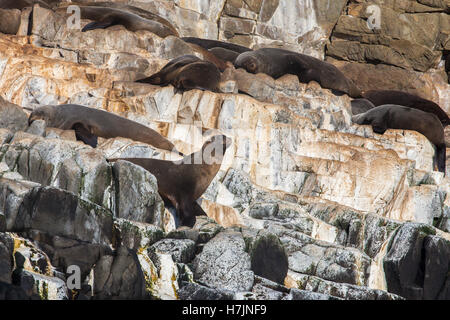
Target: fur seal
[
  {"x": 181, "y": 183},
  {"x": 380, "y": 97},
  {"x": 208, "y": 44},
  {"x": 90, "y": 123},
  {"x": 121, "y": 6},
  {"x": 185, "y": 73},
  {"x": 106, "y": 17},
  {"x": 10, "y": 20},
  {"x": 224, "y": 54},
  {"x": 392, "y": 116},
  {"x": 20, "y": 4},
  {"x": 361, "y": 105},
  {"x": 277, "y": 62}
]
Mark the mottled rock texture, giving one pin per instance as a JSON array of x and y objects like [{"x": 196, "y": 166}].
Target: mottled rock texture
[{"x": 306, "y": 205}]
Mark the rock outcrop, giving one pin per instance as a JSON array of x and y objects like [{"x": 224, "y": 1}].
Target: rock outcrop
[{"x": 306, "y": 204}]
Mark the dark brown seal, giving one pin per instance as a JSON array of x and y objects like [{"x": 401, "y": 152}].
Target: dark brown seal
[
  {"x": 124, "y": 7},
  {"x": 277, "y": 62},
  {"x": 90, "y": 123},
  {"x": 361, "y": 105},
  {"x": 392, "y": 116},
  {"x": 208, "y": 44},
  {"x": 181, "y": 183},
  {"x": 380, "y": 97},
  {"x": 106, "y": 17},
  {"x": 224, "y": 54},
  {"x": 20, "y": 4},
  {"x": 185, "y": 73},
  {"x": 10, "y": 20}
]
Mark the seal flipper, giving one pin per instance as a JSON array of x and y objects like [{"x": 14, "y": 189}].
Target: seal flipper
[
  {"x": 83, "y": 134},
  {"x": 198, "y": 210}
]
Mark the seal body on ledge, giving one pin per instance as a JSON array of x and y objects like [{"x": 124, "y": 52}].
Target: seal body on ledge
[
  {"x": 380, "y": 97},
  {"x": 208, "y": 44},
  {"x": 185, "y": 73},
  {"x": 106, "y": 17},
  {"x": 391, "y": 116},
  {"x": 90, "y": 123},
  {"x": 277, "y": 62},
  {"x": 181, "y": 183}
]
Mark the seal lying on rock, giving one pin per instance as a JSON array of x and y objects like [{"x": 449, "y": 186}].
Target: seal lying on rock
[
  {"x": 361, "y": 105},
  {"x": 20, "y": 4},
  {"x": 380, "y": 97},
  {"x": 208, "y": 44},
  {"x": 124, "y": 7},
  {"x": 181, "y": 183},
  {"x": 392, "y": 116},
  {"x": 277, "y": 62},
  {"x": 106, "y": 17},
  {"x": 185, "y": 73},
  {"x": 90, "y": 123},
  {"x": 10, "y": 20},
  {"x": 224, "y": 54}
]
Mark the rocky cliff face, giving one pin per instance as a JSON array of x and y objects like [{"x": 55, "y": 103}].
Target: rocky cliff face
[{"x": 306, "y": 204}]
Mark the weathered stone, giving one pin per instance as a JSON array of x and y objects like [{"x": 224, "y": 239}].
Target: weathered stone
[
  {"x": 137, "y": 197},
  {"x": 47, "y": 288},
  {"x": 194, "y": 291},
  {"x": 6, "y": 257},
  {"x": 224, "y": 264},
  {"x": 181, "y": 250},
  {"x": 408, "y": 268},
  {"x": 269, "y": 258},
  {"x": 121, "y": 278},
  {"x": 12, "y": 116}
]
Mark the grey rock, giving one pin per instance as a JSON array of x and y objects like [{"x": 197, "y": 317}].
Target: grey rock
[
  {"x": 12, "y": 117},
  {"x": 269, "y": 258},
  {"x": 124, "y": 280},
  {"x": 2, "y": 222},
  {"x": 296, "y": 294},
  {"x": 224, "y": 264},
  {"x": 137, "y": 197},
  {"x": 264, "y": 293},
  {"x": 60, "y": 213},
  {"x": 207, "y": 229},
  {"x": 37, "y": 127},
  {"x": 47, "y": 288},
  {"x": 341, "y": 290},
  {"x": 136, "y": 235},
  {"x": 195, "y": 291},
  {"x": 184, "y": 233},
  {"x": 13, "y": 292},
  {"x": 437, "y": 266},
  {"x": 6, "y": 259},
  {"x": 402, "y": 263},
  {"x": 14, "y": 198},
  {"x": 181, "y": 250}
]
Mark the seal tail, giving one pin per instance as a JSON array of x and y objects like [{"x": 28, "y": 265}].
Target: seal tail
[{"x": 441, "y": 157}]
